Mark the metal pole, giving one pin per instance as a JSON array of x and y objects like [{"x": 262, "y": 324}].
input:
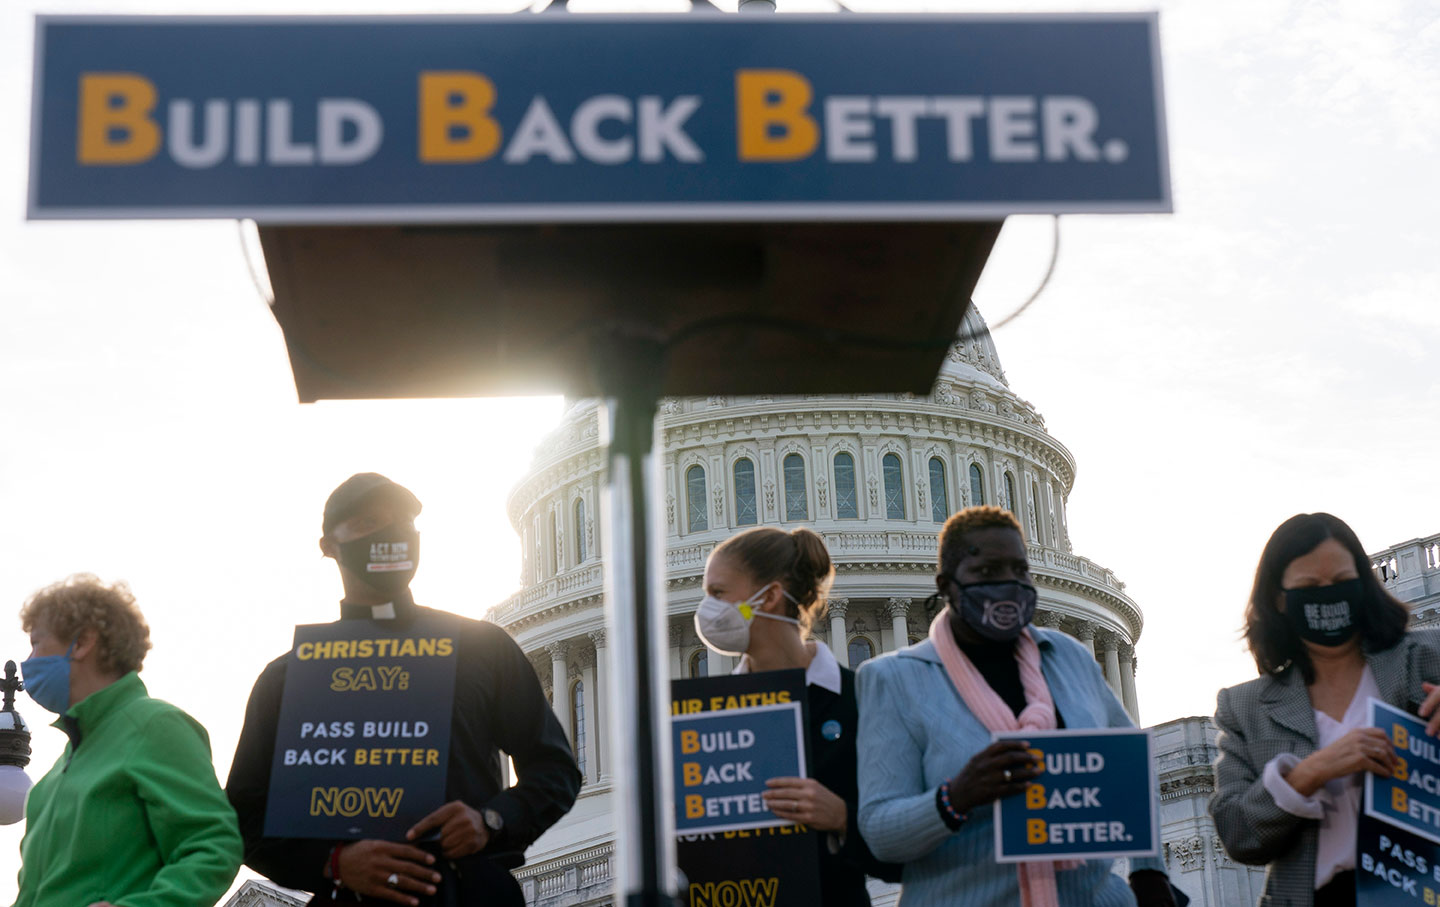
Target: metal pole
[{"x": 628, "y": 373}]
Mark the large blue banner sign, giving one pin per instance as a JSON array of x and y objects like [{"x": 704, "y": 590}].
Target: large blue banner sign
[
  {"x": 1096, "y": 798},
  {"x": 363, "y": 738},
  {"x": 597, "y": 118}
]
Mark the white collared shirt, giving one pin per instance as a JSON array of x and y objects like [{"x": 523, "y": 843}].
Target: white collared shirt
[
  {"x": 1337, "y": 804},
  {"x": 823, "y": 671}
]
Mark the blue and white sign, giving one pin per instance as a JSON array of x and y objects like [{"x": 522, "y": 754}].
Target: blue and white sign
[
  {"x": 506, "y": 119},
  {"x": 1096, "y": 798},
  {"x": 1411, "y": 798},
  {"x": 723, "y": 759},
  {"x": 1394, "y": 868}
]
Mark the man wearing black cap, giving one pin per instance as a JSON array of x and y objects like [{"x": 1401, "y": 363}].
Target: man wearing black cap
[{"x": 483, "y": 830}]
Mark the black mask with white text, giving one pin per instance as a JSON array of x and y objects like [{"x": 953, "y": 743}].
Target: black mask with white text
[
  {"x": 385, "y": 559},
  {"x": 1325, "y": 615}
]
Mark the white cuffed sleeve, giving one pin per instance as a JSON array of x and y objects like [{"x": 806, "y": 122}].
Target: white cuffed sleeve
[{"x": 1287, "y": 797}]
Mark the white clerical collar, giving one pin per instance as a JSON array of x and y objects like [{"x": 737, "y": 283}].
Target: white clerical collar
[
  {"x": 824, "y": 670},
  {"x": 383, "y": 612}
]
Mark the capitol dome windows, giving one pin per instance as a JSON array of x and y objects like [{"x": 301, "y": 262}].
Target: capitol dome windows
[
  {"x": 847, "y": 505},
  {"x": 577, "y": 722},
  {"x": 939, "y": 500},
  {"x": 894, "y": 478},
  {"x": 579, "y": 532},
  {"x": 746, "y": 513},
  {"x": 700, "y": 662},
  {"x": 695, "y": 499},
  {"x": 977, "y": 485},
  {"x": 861, "y": 650},
  {"x": 1010, "y": 493},
  {"x": 796, "y": 497}
]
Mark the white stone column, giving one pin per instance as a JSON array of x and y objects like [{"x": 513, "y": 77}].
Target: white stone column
[
  {"x": 1127, "y": 682},
  {"x": 839, "y": 641},
  {"x": 559, "y": 683},
  {"x": 677, "y": 660},
  {"x": 1086, "y": 634},
  {"x": 588, "y": 662},
  {"x": 899, "y": 609},
  {"x": 601, "y": 771},
  {"x": 1109, "y": 647}
]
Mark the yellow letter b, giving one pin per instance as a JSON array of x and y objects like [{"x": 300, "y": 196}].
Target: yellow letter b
[
  {"x": 766, "y": 98},
  {"x": 694, "y": 806},
  {"x": 692, "y": 773},
  {"x": 689, "y": 742},
  {"x": 1400, "y": 736},
  {"x": 1398, "y": 801},
  {"x": 1034, "y": 796},
  {"x": 115, "y": 124},
  {"x": 1035, "y": 831},
  {"x": 455, "y": 125}
]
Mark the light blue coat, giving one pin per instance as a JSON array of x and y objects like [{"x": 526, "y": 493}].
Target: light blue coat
[{"x": 916, "y": 732}]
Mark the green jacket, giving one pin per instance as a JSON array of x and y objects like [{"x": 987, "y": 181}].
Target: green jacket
[{"x": 131, "y": 813}]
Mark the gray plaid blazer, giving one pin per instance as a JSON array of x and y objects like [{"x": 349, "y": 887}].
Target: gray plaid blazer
[{"x": 1270, "y": 715}]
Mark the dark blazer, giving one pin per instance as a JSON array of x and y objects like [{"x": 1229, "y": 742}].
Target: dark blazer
[
  {"x": 833, "y": 764},
  {"x": 1262, "y": 718}
]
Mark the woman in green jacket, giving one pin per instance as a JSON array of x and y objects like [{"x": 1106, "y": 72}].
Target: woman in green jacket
[{"x": 131, "y": 815}]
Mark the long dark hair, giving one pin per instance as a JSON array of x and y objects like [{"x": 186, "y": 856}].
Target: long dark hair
[{"x": 1381, "y": 619}]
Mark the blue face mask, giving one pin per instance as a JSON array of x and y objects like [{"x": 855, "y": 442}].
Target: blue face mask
[{"x": 47, "y": 680}]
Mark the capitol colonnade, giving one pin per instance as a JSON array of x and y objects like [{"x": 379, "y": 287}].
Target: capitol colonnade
[{"x": 875, "y": 475}]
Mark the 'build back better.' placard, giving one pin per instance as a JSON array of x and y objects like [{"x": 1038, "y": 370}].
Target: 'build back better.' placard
[{"x": 364, "y": 732}]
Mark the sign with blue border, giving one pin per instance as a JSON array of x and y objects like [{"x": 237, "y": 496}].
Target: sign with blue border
[
  {"x": 363, "y": 738},
  {"x": 723, "y": 759},
  {"x": 1095, "y": 799},
  {"x": 1411, "y": 798},
  {"x": 508, "y": 119}
]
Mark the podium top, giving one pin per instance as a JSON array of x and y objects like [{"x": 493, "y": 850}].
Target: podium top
[{"x": 375, "y": 312}]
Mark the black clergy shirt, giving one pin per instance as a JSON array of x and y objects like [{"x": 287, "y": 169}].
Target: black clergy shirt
[{"x": 499, "y": 707}]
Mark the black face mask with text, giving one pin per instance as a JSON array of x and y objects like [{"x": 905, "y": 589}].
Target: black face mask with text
[
  {"x": 385, "y": 559},
  {"x": 1325, "y": 615}
]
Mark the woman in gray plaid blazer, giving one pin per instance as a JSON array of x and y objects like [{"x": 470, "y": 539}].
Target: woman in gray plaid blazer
[{"x": 1294, "y": 744}]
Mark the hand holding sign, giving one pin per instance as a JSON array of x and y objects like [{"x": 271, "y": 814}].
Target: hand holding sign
[
  {"x": 1365, "y": 749},
  {"x": 366, "y": 868},
  {"x": 462, "y": 830},
  {"x": 807, "y": 801},
  {"x": 984, "y": 779},
  {"x": 1428, "y": 708}
]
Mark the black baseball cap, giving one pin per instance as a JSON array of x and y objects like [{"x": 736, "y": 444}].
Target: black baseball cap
[{"x": 346, "y": 499}]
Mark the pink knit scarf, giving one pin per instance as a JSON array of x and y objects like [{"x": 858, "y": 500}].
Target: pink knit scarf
[{"x": 1037, "y": 880}]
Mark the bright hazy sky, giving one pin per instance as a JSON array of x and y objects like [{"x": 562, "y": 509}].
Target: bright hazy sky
[{"x": 1267, "y": 349}]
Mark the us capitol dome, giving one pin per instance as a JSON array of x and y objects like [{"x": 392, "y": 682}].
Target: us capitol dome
[{"x": 876, "y": 475}]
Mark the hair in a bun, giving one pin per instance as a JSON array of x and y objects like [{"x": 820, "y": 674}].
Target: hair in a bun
[{"x": 798, "y": 560}]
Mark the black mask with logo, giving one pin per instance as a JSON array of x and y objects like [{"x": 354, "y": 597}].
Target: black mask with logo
[
  {"x": 997, "y": 611},
  {"x": 385, "y": 559},
  {"x": 1325, "y": 615}
]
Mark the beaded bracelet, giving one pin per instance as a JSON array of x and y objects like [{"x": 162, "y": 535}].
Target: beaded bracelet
[{"x": 953, "y": 818}]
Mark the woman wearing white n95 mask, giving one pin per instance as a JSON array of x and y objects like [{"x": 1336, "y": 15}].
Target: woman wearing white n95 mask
[{"x": 764, "y": 589}]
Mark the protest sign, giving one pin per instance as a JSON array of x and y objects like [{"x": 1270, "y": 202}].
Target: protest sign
[
  {"x": 771, "y": 862},
  {"x": 1397, "y": 846},
  {"x": 1096, "y": 798},
  {"x": 1411, "y": 799},
  {"x": 363, "y": 738},
  {"x": 510, "y": 119}
]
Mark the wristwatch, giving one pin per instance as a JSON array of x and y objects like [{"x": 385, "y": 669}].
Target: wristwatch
[{"x": 493, "y": 820}]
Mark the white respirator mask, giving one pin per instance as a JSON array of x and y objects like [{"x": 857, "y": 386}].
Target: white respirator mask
[{"x": 724, "y": 626}]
